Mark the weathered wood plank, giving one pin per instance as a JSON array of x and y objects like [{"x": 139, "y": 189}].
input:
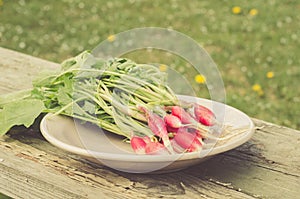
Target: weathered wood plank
[
  {"x": 241, "y": 173},
  {"x": 267, "y": 166},
  {"x": 18, "y": 70}
]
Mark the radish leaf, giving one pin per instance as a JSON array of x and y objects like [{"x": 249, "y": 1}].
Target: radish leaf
[{"x": 22, "y": 112}]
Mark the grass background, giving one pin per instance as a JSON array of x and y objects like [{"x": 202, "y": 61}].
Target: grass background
[{"x": 245, "y": 47}]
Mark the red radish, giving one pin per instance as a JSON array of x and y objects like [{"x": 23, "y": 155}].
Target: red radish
[
  {"x": 155, "y": 123},
  {"x": 174, "y": 124},
  {"x": 156, "y": 148},
  {"x": 204, "y": 115},
  {"x": 188, "y": 141},
  {"x": 144, "y": 145},
  {"x": 172, "y": 121},
  {"x": 158, "y": 127},
  {"x": 188, "y": 119},
  {"x": 138, "y": 144},
  {"x": 171, "y": 129},
  {"x": 184, "y": 116},
  {"x": 177, "y": 148}
]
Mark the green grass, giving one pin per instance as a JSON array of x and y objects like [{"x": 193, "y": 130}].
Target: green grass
[{"x": 244, "y": 47}]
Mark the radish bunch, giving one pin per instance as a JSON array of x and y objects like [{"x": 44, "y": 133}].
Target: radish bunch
[{"x": 120, "y": 96}]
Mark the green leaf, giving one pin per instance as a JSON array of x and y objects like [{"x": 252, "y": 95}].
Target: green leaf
[
  {"x": 21, "y": 112},
  {"x": 89, "y": 107},
  {"x": 63, "y": 96},
  {"x": 76, "y": 62},
  {"x": 18, "y": 95},
  {"x": 45, "y": 78}
]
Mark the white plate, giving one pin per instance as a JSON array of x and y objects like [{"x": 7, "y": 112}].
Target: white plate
[{"x": 106, "y": 148}]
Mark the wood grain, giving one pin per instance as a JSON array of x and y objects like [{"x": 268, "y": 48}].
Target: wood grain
[
  {"x": 267, "y": 166},
  {"x": 18, "y": 70}
]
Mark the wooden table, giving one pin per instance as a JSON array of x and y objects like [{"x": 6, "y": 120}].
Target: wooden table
[{"x": 268, "y": 166}]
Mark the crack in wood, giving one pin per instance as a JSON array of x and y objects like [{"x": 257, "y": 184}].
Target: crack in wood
[
  {"x": 279, "y": 171},
  {"x": 229, "y": 186}
]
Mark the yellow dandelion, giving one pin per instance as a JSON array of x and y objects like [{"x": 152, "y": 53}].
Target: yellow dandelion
[
  {"x": 200, "y": 79},
  {"x": 253, "y": 12},
  {"x": 270, "y": 74},
  {"x": 236, "y": 10},
  {"x": 163, "y": 67},
  {"x": 257, "y": 88},
  {"x": 111, "y": 38},
  {"x": 1, "y": 2}
]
